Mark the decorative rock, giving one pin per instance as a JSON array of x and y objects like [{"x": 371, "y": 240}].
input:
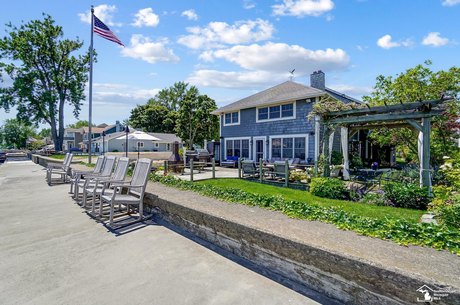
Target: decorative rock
[{"x": 429, "y": 218}]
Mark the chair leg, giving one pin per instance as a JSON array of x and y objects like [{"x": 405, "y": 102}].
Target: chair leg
[
  {"x": 101, "y": 203},
  {"x": 111, "y": 214},
  {"x": 85, "y": 197}
]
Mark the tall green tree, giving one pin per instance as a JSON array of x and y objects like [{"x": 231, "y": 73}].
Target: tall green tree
[
  {"x": 14, "y": 133},
  {"x": 44, "y": 133},
  {"x": 45, "y": 75},
  {"x": 195, "y": 123},
  {"x": 171, "y": 97},
  {"x": 418, "y": 84},
  {"x": 80, "y": 124},
  {"x": 153, "y": 117}
]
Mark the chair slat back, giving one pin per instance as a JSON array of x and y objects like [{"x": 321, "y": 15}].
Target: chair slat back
[
  {"x": 141, "y": 174},
  {"x": 99, "y": 163},
  {"x": 108, "y": 166},
  {"x": 122, "y": 168},
  {"x": 66, "y": 159},
  {"x": 68, "y": 162}
]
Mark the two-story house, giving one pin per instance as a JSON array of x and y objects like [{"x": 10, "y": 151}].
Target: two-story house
[
  {"x": 72, "y": 138},
  {"x": 273, "y": 123}
]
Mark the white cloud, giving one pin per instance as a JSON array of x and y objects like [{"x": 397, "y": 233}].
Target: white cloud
[
  {"x": 144, "y": 48},
  {"x": 217, "y": 34},
  {"x": 104, "y": 12},
  {"x": 261, "y": 71},
  {"x": 146, "y": 17},
  {"x": 280, "y": 57},
  {"x": 234, "y": 80},
  {"x": 450, "y": 2},
  {"x": 386, "y": 42},
  {"x": 116, "y": 93},
  {"x": 300, "y": 8},
  {"x": 248, "y": 4},
  {"x": 434, "y": 39},
  {"x": 190, "y": 14}
]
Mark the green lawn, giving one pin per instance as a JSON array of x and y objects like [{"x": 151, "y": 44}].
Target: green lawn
[
  {"x": 303, "y": 196},
  {"x": 58, "y": 156}
]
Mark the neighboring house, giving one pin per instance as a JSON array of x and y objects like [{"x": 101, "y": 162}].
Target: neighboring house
[
  {"x": 96, "y": 132},
  {"x": 165, "y": 142},
  {"x": 72, "y": 138},
  {"x": 115, "y": 142},
  {"x": 273, "y": 123}
]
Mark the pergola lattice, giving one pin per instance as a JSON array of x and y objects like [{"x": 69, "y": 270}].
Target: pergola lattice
[{"x": 415, "y": 115}]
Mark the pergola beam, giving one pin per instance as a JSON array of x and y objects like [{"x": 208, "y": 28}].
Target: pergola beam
[
  {"x": 389, "y": 108},
  {"x": 383, "y": 117}
]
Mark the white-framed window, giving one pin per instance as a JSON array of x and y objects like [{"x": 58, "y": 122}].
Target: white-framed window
[
  {"x": 232, "y": 118},
  {"x": 289, "y": 147},
  {"x": 276, "y": 112},
  {"x": 140, "y": 144},
  {"x": 237, "y": 147}
]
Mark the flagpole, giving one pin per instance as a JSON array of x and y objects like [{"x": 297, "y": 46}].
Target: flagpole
[{"x": 90, "y": 85}]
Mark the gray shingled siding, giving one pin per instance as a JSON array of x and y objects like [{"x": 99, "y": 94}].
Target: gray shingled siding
[{"x": 248, "y": 126}]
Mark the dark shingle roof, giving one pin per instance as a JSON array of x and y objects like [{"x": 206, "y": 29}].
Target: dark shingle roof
[
  {"x": 342, "y": 97},
  {"x": 287, "y": 91}
]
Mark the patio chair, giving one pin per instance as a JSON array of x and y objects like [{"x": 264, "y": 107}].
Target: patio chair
[
  {"x": 135, "y": 191},
  {"x": 249, "y": 169},
  {"x": 76, "y": 175},
  {"x": 94, "y": 186},
  {"x": 56, "y": 165},
  {"x": 105, "y": 173},
  {"x": 279, "y": 170},
  {"x": 62, "y": 170}
]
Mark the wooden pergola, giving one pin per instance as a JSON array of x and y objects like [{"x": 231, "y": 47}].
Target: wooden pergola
[{"x": 415, "y": 115}]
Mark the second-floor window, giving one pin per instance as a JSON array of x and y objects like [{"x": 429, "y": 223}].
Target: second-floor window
[
  {"x": 232, "y": 118},
  {"x": 285, "y": 111}
]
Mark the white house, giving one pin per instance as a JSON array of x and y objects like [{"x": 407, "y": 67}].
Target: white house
[{"x": 115, "y": 142}]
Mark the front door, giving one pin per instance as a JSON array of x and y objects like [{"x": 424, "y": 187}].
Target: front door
[{"x": 259, "y": 149}]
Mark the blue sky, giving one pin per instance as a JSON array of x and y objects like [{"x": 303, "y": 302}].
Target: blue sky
[{"x": 231, "y": 49}]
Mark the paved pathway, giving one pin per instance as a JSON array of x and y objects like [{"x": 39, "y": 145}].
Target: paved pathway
[{"x": 54, "y": 253}]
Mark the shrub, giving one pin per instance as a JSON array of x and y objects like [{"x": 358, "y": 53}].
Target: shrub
[
  {"x": 328, "y": 188},
  {"x": 298, "y": 176},
  {"x": 450, "y": 214},
  {"x": 336, "y": 158},
  {"x": 407, "y": 195},
  {"x": 374, "y": 199}
]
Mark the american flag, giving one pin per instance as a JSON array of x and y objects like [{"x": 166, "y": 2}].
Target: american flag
[{"x": 102, "y": 30}]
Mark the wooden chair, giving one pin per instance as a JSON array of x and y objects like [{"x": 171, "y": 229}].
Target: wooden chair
[
  {"x": 94, "y": 187},
  {"x": 279, "y": 170},
  {"x": 105, "y": 173},
  {"x": 77, "y": 175},
  {"x": 59, "y": 169},
  {"x": 249, "y": 169},
  {"x": 135, "y": 192}
]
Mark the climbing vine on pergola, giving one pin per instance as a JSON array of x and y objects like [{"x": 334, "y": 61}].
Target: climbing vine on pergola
[{"x": 416, "y": 115}]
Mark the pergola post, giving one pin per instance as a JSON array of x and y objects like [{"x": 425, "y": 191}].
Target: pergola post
[
  {"x": 346, "y": 162},
  {"x": 424, "y": 153},
  {"x": 317, "y": 137},
  {"x": 327, "y": 133},
  {"x": 331, "y": 145}
]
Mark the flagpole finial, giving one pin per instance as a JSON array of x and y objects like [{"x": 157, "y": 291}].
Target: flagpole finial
[{"x": 92, "y": 9}]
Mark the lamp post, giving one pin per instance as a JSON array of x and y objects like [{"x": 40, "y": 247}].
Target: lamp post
[
  {"x": 126, "y": 143},
  {"x": 138, "y": 149},
  {"x": 103, "y": 142}
]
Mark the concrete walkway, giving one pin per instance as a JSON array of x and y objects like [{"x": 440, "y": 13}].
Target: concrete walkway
[{"x": 52, "y": 252}]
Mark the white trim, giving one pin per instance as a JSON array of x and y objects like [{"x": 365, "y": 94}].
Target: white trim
[
  {"x": 232, "y": 124},
  {"x": 237, "y": 138},
  {"x": 254, "y": 147},
  {"x": 293, "y": 117},
  {"x": 302, "y": 135}
]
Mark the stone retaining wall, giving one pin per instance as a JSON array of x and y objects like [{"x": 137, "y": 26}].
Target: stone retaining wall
[{"x": 339, "y": 277}]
